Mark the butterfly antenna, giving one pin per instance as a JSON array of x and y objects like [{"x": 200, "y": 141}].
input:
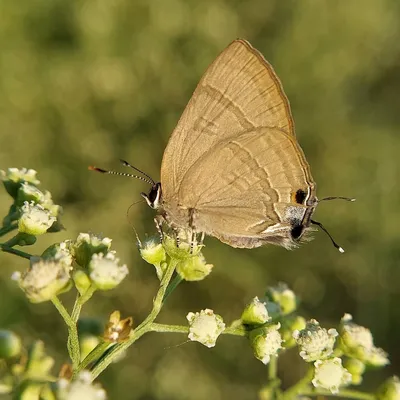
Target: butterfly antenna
[
  {"x": 139, "y": 243},
  {"x": 330, "y": 237},
  {"x": 104, "y": 171},
  {"x": 337, "y": 198},
  {"x": 126, "y": 164}
]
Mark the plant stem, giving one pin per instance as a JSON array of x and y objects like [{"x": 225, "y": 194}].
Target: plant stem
[
  {"x": 80, "y": 301},
  {"x": 6, "y": 229},
  {"x": 154, "y": 327},
  {"x": 143, "y": 328},
  {"x": 346, "y": 393},
  {"x": 300, "y": 387},
  {"x": 273, "y": 368},
  {"x": 15, "y": 251},
  {"x": 73, "y": 340},
  {"x": 172, "y": 286},
  {"x": 236, "y": 331},
  {"x": 94, "y": 355}
]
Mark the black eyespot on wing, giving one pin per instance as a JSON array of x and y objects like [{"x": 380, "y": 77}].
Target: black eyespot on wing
[
  {"x": 296, "y": 231},
  {"x": 300, "y": 196}
]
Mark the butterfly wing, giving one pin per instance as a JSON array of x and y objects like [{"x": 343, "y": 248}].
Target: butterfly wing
[
  {"x": 243, "y": 191},
  {"x": 238, "y": 92}
]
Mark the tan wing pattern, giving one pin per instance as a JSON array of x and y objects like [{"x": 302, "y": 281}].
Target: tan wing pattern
[
  {"x": 243, "y": 184},
  {"x": 239, "y": 92}
]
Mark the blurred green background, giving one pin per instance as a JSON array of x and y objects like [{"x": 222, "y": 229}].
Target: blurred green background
[{"x": 89, "y": 82}]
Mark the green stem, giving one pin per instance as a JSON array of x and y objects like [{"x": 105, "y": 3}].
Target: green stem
[
  {"x": 15, "y": 251},
  {"x": 273, "y": 368},
  {"x": 73, "y": 340},
  {"x": 172, "y": 286},
  {"x": 6, "y": 229},
  {"x": 12, "y": 242},
  {"x": 301, "y": 386},
  {"x": 349, "y": 394},
  {"x": 236, "y": 331},
  {"x": 143, "y": 328},
  {"x": 154, "y": 327},
  {"x": 94, "y": 355},
  {"x": 80, "y": 301}
]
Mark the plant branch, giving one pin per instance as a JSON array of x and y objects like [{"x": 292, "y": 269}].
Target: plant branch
[{"x": 143, "y": 328}]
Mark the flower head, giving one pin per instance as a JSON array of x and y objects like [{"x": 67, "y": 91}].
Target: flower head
[
  {"x": 205, "y": 327},
  {"x": 315, "y": 343},
  {"x": 88, "y": 244},
  {"x": 357, "y": 341},
  {"x": 194, "y": 268},
  {"x": 13, "y": 178},
  {"x": 330, "y": 374},
  {"x": 34, "y": 220},
  {"x": 80, "y": 388},
  {"x": 59, "y": 252},
  {"x": 105, "y": 271},
  {"x": 255, "y": 313},
  {"x": 266, "y": 342},
  {"x": 44, "y": 280},
  {"x": 28, "y": 192}
]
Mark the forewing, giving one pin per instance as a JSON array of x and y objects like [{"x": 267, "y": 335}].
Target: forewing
[{"x": 238, "y": 92}]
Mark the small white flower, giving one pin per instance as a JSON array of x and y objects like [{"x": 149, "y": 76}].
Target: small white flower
[
  {"x": 35, "y": 220},
  {"x": 357, "y": 341},
  {"x": 20, "y": 175},
  {"x": 80, "y": 388},
  {"x": 267, "y": 343},
  {"x": 59, "y": 252},
  {"x": 194, "y": 268},
  {"x": 315, "y": 343},
  {"x": 43, "y": 280},
  {"x": 330, "y": 374},
  {"x": 29, "y": 192},
  {"x": 255, "y": 313},
  {"x": 205, "y": 327},
  {"x": 105, "y": 272}
]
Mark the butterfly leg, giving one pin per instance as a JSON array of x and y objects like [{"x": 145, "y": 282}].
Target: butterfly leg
[
  {"x": 158, "y": 220},
  {"x": 177, "y": 237},
  {"x": 202, "y": 238}
]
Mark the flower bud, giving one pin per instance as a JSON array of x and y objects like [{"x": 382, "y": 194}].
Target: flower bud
[
  {"x": 81, "y": 280},
  {"x": 194, "y": 268},
  {"x": 266, "y": 342},
  {"x": 284, "y": 296},
  {"x": 357, "y": 342},
  {"x": 39, "y": 363},
  {"x": 80, "y": 388},
  {"x": 154, "y": 254},
  {"x": 14, "y": 178},
  {"x": 34, "y": 220},
  {"x": 44, "y": 280},
  {"x": 88, "y": 244},
  {"x": 330, "y": 375},
  {"x": 389, "y": 390},
  {"x": 10, "y": 344},
  {"x": 356, "y": 369},
  {"x": 255, "y": 313},
  {"x": 205, "y": 327},
  {"x": 315, "y": 343},
  {"x": 105, "y": 271}
]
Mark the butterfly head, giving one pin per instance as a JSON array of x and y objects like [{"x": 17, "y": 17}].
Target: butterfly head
[{"x": 154, "y": 197}]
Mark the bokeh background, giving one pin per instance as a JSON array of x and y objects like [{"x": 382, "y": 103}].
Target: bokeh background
[{"x": 89, "y": 82}]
